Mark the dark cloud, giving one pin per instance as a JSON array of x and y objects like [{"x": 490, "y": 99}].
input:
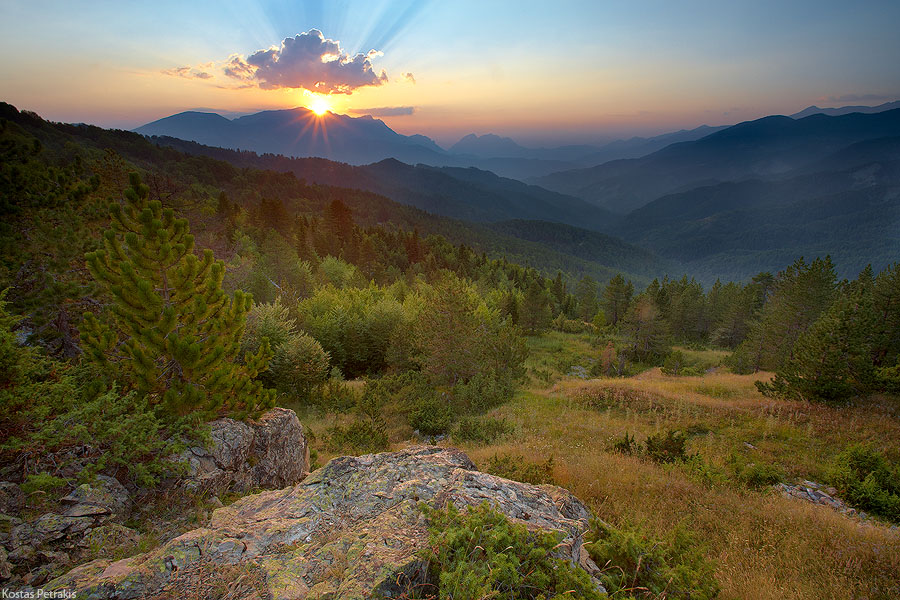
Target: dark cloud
[
  {"x": 385, "y": 111},
  {"x": 187, "y": 73},
  {"x": 309, "y": 61},
  {"x": 409, "y": 77},
  {"x": 859, "y": 98}
]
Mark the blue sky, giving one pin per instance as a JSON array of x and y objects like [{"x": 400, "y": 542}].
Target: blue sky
[{"x": 542, "y": 72}]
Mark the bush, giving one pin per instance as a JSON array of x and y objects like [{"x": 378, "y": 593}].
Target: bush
[
  {"x": 299, "y": 366},
  {"x": 482, "y": 554},
  {"x": 867, "y": 480},
  {"x": 431, "y": 415},
  {"x": 666, "y": 447},
  {"x": 47, "y": 407},
  {"x": 364, "y": 436},
  {"x": 481, "y": 431},
  {"x": 483, "y": 392},
  {"x": 518, "y": 468},
  {"x": 337, "y": 396},
  {"x": 636, "y": 566},
  {"x": 626, "y": 445},
  {"x": 758, "y": 475}
]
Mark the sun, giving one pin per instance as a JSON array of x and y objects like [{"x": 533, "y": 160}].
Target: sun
[{"x": 319, "y": 105}]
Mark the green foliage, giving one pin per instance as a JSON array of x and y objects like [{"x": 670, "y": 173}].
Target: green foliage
[
  {"x": 481, "y": 430},
  {"x": 867, "y": 480},
  {"x": 431, "y": 414},
  {"x": 645, "y": 331},
  {"x": 636, "y": 566},
  {"x": 518, "y": 468},
  {"x": 480, "y": 553},
  {"x": 48, "y": 407},
  {"x": 174, "y": 334},
  {"x": 666, "y": 447},
  {"x": 354, "y": 325},
  {"x": 801, "y": 293},
  {"x": 837, "y": 357},
  {"x": 43, "y": 483},
  {"x": 300, "y": 366},
  {"x": 362, "y": 436},
  {"x": 269, "y": 321},
  {"x": 482, "y": 392},
  {"x": 626, "y": 445},
  {"x": 758, "y": 475},
  {"x": 616, "y": 299}
]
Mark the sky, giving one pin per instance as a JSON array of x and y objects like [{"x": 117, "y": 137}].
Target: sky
[{"x": 544, "y": 73}]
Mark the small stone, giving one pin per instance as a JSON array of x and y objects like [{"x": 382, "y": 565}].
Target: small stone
[
  {"x": 215, "y": 502},
  {"x": 811, "y": 484},
  {"x": 749, "y": 445}
]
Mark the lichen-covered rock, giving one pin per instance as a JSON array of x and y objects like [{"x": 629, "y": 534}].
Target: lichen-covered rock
[
  {"x": 270, "y": 452},
  {"x": 12, "y": 499},
  {"x": 352, "y": 529},
  {"x": 104, "y": 498}
]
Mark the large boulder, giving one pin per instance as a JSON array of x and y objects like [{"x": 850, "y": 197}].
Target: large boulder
[
  {"x": 352, "y": 529},
  {"x": 269, "y": 452}
]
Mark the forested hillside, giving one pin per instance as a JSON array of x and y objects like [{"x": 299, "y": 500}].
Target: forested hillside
[{"x": 146, "y": 291}]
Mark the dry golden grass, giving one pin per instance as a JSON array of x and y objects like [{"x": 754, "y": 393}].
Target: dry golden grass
[{"x": 765, "y": 545}]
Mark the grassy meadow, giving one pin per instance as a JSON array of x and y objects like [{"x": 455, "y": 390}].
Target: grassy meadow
[{"x": 764, "y": 545}]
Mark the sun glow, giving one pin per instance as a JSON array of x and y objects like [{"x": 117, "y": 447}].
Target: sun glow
[{"x": 319, "y": 106}]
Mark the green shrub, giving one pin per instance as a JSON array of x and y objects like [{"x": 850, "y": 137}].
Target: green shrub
[
  {"x": 518, "y": 468},
  {"x": 867, "y": 480},
  {"x": 363, "y": 436},
  {"x": 271, "y": 321},
  {"x": 483, "y": 392},
  {"x": 337, "y": 396},
  {"x": 636, "y": 566},
  {"x": 431, "y": 415},
  {"x": 626, "y": 445},
  {"x": 482, "y": 554},
  {"x": 481, "y": 431},
  {"x": 757, "y": 475},
  {"x": 43, "y": 483},
  {"x": 666, "y": 447},
  {"x": 299, "y": 366}
]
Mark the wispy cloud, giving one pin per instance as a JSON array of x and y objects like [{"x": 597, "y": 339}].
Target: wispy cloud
[
  {"x": 385, "y": 111},
  {"x": 309, "y": 61},
  {"x": 187, "y": 73},
  {"x": 409, "y": 77}
]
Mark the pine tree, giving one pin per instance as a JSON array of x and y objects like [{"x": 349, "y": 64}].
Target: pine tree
[
  {"x": 616, "y": 299},
  {"x": 175, "y": 334},
  {"x": 799, "y": 296},
  {"x": 586, "y": 294},
  {"x": 535, "y": 314},
  {"x": 832, "y": 360}
]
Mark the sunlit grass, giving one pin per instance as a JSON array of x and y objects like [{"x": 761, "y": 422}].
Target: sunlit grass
[{"x": 765, "y": 545}]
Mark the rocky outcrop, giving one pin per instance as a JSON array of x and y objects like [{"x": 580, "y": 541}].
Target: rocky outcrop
[
  {"x": 270, "y": 452},
  {"x": 352, "y": 529},
  {"x": 38, "y": 548}
]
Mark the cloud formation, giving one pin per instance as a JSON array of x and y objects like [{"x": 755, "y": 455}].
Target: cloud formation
[
  {"x": 309, "y": 61},
  {"x": 385, "y": 111},
  {"x": 187, "y": 73},
  {"x": 409, "y": 77}
]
